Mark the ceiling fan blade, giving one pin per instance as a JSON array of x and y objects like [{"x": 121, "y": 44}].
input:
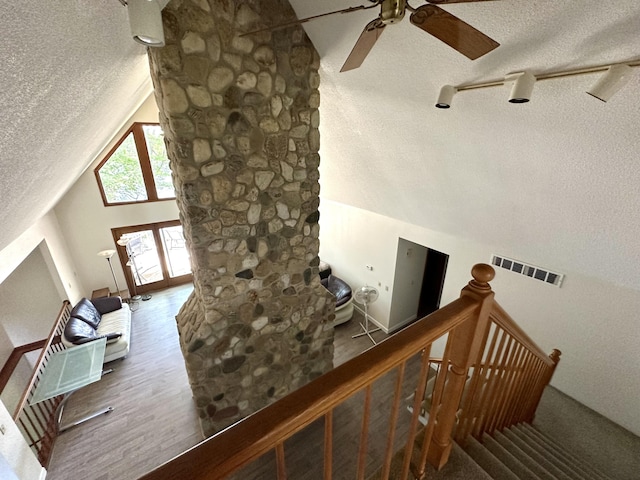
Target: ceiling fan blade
[
  {"x": 304, "y": 20},
  {"x": 363, "y": 46},
  {"x": 454, "y": 32}
]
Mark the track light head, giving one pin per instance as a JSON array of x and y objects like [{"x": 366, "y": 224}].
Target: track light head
[
  {"x": 446, "y": 95},
  {"x": 613, "y": 80},
  {"x": 145, "y": 20},
  {"x": 522, "y": 89}
]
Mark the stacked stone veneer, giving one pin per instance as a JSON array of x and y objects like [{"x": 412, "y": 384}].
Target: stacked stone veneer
[{"x": 240, "y": 116}]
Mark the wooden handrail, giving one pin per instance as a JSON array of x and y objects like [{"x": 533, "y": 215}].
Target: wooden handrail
[
  {"x": 504, "y": 320},
  {"x": 37, "y": 422},
  {"x": 257, "y": 434},
  {"x": 14, "y": 358}
]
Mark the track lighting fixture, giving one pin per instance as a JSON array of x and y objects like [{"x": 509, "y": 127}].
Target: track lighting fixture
[
  {"x": 615, "y": 77},
  {"x": 446, "y": 95},
  {"x": 522, "y": 89},
  {"x": 613, "y": 80},
  {"x": 145, "y": 20}
]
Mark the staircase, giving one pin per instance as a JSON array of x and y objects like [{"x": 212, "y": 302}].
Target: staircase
[{"x": 523, "y": 452}]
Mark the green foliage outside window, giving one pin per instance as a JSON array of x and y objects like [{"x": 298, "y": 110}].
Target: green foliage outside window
[
  {"x": 159, "y": 161},
  {"x": 137, "y": 166}
]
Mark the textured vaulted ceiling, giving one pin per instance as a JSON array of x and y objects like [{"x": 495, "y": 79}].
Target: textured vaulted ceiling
[{"x": 555, "y": 180}]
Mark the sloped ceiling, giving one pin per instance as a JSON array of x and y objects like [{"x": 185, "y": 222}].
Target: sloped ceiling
[
  {"x": 70, "y": 77},
  {"x": 554, "y": 182}
]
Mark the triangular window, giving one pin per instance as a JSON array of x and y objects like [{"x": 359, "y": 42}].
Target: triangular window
[{"x": 137, "y": 169}]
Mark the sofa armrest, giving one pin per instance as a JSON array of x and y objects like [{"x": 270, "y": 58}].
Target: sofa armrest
[
  {"x": 112, "y": 337},
  {"x": 107, "y": 304}
]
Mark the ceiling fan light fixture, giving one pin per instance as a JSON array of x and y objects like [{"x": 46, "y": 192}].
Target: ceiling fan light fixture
[
  {"x": 522, "y": 89},
  {"x": 616, "y": 77},
  {"x": 145, "y": 21},
  {"x": 446, "y": 96}
]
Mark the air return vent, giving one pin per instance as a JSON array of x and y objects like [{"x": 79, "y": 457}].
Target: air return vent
[{"x": 537, "y": 273}]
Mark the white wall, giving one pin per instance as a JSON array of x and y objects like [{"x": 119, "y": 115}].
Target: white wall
[
  {"x": 28, "y": 313},
  {"x": 46, "y": 230},
  {"x": 594, "y": 323},
  {"x": 87, "y": 223},
  {"x": 16, "y": 452}
]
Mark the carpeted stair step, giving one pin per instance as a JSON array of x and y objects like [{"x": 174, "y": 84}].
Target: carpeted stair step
[
  {"x": 538, "y": 457},
  {"x": 539, "y": 466},
  {"x": 516, "y": 466},
  {"x": 587, "y": 471},
  {"x": 555, "y": 454},
  {"x": 459, "y": 467},
  {"x": 489, "y": 463}
]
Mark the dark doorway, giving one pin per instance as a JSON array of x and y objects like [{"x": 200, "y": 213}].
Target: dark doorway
[{"x": 432, "y": 282}]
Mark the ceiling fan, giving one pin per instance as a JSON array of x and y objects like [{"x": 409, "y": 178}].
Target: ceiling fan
[{"x": 429, "y": 17}]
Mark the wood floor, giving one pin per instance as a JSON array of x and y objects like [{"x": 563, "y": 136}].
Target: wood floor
[{"x": 154, "y": 418}]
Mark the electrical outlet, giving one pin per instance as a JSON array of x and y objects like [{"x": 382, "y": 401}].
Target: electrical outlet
[{"x": 369, "y": 267}]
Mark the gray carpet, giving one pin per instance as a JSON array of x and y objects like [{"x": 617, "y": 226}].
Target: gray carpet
[
  {"x": 588, "y": 435},
  {"x": 577, "y": 430}
]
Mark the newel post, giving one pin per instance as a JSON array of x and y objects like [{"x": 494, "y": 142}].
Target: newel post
[{"x": 465, "y": 344}]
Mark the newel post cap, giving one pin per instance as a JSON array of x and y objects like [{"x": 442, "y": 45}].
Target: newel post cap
[{"x": 482, "y": 274}]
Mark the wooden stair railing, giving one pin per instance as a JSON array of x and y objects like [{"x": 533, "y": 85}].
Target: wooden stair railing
[
  {"x": 37, "y": 422},
  {"x": 14, "y": 359},
  {"x": 472, "y": 372},
  {"x": 267, "y": 429},
  {"x": 508, "y": 379}
]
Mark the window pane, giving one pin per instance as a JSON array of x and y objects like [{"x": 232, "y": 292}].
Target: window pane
[
  {"x": 159, "y": 161},
  {"x": 176, "y": 252},
  {"x": 121, "y": 176}
]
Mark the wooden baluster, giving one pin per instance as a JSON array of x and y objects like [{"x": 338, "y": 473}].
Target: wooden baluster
[
  {"x": 328, "y": 446},
  {"x": 473, "y": 405},
  {"x": 545, "y": 380},
  {"x": 467, "y": 340},
  {"x": 498, "y": 393},
  {"x": 511, "y": 416},
  {"x": 280, "y": 462},
  {"x": 539, "y": 369},
  {"x": 364, "y": 433},
  {"x": 513, "y": 372},
  {"x": 492, "y": 384},
  {"x": 521, "y": 406},
  {"x": 418, "y": 397},
  {"x": 393, "y": 421}
]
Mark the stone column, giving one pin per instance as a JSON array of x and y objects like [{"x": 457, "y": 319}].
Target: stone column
[{"x": 240, "y": 117}]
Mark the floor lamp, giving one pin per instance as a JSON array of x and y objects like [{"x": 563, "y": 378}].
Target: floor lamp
[
  {"x": 124, "y": 242},
  {"x": 108, "y": 254}
]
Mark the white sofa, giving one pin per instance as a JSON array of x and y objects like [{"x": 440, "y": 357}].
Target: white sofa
[{"x": 101, "y": 317}]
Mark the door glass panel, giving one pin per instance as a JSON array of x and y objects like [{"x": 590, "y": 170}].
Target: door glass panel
[
  {"x": 176, "y": 253},
  {"x": 143, "y": 255}
]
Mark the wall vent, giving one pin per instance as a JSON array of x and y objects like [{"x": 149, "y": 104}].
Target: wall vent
[{"x": 537, "y": 273}]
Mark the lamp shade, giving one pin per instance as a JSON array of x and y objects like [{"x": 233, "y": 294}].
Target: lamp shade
[
  {"x": 446, "y": 96},
  {"x": 145, "y": 20},
  {"x": 613, "y": 80},
  {"x": 106, "y": 253},
  {"x": 522, "y": 89}
]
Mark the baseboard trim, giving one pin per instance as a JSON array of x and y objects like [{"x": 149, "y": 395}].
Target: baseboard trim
[{"x": 373, "y": 320}]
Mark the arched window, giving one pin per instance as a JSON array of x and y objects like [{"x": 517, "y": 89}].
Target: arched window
[{"x": 137, "y": 168}]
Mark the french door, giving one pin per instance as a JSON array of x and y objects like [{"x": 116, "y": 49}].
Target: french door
[{"x": 153, "y": 256}]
